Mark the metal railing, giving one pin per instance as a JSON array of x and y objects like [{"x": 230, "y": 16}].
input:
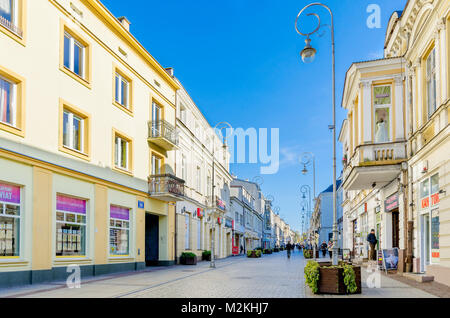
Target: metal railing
[
  {"x": 10, "y": 26},
  {"x": 162, "y": 129},
  {"x": 165, "y": 184}
]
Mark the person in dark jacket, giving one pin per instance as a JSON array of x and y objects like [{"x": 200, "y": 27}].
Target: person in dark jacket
[
  {"x": 324, "y": 248},
  {"x": 372, "y": 239}
]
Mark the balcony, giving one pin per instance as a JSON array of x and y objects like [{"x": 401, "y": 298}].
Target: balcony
[
  {"x": 374, "y": 164},
  {"x": 166, "y": 187},
  {"x": 11, "y": 27},
  {"x": 163, "y": 134}
]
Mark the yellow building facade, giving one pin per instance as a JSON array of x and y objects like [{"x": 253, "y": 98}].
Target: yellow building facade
[
  {"x": 87, "y": 140},
  {"x": 397, "y": 145}
]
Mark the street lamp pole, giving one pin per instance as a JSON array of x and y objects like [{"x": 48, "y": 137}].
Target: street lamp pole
[
  {"x": 308, "y": 55},
  {"x": 305, "y": 170},
  {"x": 213, "y": 261}
]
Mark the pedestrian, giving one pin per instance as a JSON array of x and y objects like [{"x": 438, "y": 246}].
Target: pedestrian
[
  {"x": 242, "y": 248},
  {"x": 288, "y": 249},
  {"x": 330, "y": 248},
  {"x": 372, "y": 239},
  {"x": 324, "y": 248}
]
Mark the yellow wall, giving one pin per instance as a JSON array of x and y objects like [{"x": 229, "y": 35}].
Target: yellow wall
[{"x": 101, "y": 224}]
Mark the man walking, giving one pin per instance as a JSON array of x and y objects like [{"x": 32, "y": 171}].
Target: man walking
[
  {"x": 324, "y": 248},
  {"x": 372, "y": 239},
  {"x": 288, "y": 248}
]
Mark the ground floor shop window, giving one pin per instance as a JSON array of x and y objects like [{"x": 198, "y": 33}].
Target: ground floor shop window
[
  {"x": 9, "y": 220},
  {"x": 70, "y": 226},
  {"x": 199, "y": 235},
  {"x": 119, "y": 231}
]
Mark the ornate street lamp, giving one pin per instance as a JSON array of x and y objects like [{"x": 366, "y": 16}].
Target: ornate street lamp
[{"x": 308, "y": 54}]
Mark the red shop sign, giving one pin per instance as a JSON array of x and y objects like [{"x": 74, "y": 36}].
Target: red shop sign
[
  {"x": 435, "y": 199},
  {"x": 425, "y": 203}
]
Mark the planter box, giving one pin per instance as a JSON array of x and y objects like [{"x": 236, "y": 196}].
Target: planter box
[
  {"x": 188, "y": 260},
  {"x": 206, "y": 258},
  {"x": 253, "y": 255},
  {"x": 331, "y": 280}
]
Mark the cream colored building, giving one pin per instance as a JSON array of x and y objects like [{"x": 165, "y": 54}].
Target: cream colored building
[
  {"x": 199, "y": 218},
  {"x": 416, "y": 155},
  {"x": 87, "y": 144}
]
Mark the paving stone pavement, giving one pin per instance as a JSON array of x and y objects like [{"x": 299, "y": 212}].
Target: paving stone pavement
[{"x": 272, "y": 276}]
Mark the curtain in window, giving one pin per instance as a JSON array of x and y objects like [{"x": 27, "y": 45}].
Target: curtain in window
[
  {"x": 431, "y": 83},
  {"x": 5, "y": 102}
]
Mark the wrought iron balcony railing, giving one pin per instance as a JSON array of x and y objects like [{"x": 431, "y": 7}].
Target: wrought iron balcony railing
[
  {"x": 166, "y": 187},
  {"x": 10, "y": 26},
  {"x": 163, "y": 134}
]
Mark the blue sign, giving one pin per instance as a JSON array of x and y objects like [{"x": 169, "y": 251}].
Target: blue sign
[{"x": 141, "y": 204}]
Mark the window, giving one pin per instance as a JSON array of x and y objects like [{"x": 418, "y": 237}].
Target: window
[
  {"x": 8, "y": 102},
  {"x": 119, "y": 231},
  {"x": 198, "y": 179},
  {"x": 123, "y": 91},
  {"x": 183, "y": 167},
  {"x": 11, "y": 102},
  {"x": 74, "y": 131},
  {"x": 431, "y": 82},
  {"x": 121, "y": 153},
  {"x": 70, "y": 226},
  {"x": 9, "y": 220},
  {"x": 11, "y": 15},
  {"x": 74, "y": 55},
  {"x": 156, "y": 165},
  {"x": 183, "y": 113},
  {"x": 156, "y": 120},
  {"x": 199, "y": 234},
  {"x": 382, "y": 105},
  {"x": 187, "y": 227}
]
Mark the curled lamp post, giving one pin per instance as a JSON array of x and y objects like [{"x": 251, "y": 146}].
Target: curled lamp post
[
  {"x": 306, "y": 189},
  {"x": 308, "y": 54},
  {"x": 306, "y": 159},
  {"x": 220, "y": 126}
]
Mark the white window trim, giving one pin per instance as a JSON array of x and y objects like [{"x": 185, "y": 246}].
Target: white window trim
[
  {"x": 70, "y": 131},
  {"x": 429, "y": 78},
  {"x": 389, "y": 106},
  {"x": 72, "y": 44},
  {"x": 118, "y": 144},
  {"x": 12, "y": 101},
  {"x": 119, "y": 91},
  {"x": 120, "y": 228}
]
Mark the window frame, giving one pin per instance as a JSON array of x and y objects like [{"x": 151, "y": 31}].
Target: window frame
[
  {"x": 18, "y": 21},
  {"x": 390, "y": 107},
  {"x": 129, "y": 169},
  {"x": 123, "y": 76},
  {"x": 85, "y": 153},
  {"x": 19, "y": 217},
  {"x": 429, "y": 78},
  {"x": 129, "y": 229},
  {"x": 18, "y": 84},
  {"x": 85, "y": 77}
]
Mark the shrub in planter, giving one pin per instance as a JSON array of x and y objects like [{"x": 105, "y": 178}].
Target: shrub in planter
[
  {"x": 188, "y": 258},
  {"x": 325, "y": 279},
  {"x": 254, "y": 254},
  {"x": 276, "y": 249},
  {"x": 206, "y": 255},
  {"x": 267, "y": 251},
  {"x": 308, "y": 253}
]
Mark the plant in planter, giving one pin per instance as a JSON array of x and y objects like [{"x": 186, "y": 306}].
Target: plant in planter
[
  {"x": 308, "y": 253},
  {"x": 267, "y": 251},
  {"x": 326, "y": 279},
  {"x": 188, "y": 258},
  {"x": 276, "y": 249},
  {"x": 206, "y": 256},
  {"x": 254, "y": 254}
]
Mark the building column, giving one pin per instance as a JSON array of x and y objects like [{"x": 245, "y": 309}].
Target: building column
[
  {"x": 399, "y": 123},
  {"x": 366, "y": 102}
]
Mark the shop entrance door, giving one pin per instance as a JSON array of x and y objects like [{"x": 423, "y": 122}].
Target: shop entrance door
[
  {"x": 151, "y": 239},
  {"x": 425, "y": 241},
  {"x": 395, "y": 229}
]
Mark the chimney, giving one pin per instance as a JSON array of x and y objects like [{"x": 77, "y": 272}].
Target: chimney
[
  {"x": 170, "y": 71},
  {"x": 125, "y": 22}
]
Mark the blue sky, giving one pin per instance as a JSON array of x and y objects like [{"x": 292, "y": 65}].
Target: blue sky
[{"x": 239, "y": 61}]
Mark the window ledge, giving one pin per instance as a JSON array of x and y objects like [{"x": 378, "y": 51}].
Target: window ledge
[
  {"x": 128, "y": 111},
  {"x": 75, "y": 77},
  {"x": 66, "y": 260},
  {"x": 127, "y": 172},
  {"x": 13, "y": 35},
  {"x": 11, "y": 129},
  {"x": 75, "y": 153}
]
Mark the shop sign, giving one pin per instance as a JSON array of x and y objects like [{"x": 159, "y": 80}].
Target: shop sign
[
  {"x": 219, "y": 221},
  {"x": 228, "y": 223},
  {"x": 235, "y": 250},
  {"x": 435, "y": 234},
  {"x": 425, "y": 203},
  {"x": 69, "y": 204},
  {"x": 200, "y": 213},
  {"x": 9, "y": 193},
  {"x": 391, "y": 203},
  {"x": 141, "y": 204},
  {"x": 221, "y": 204},
  {"x": 117, "y": 212},
  {"x": 435, "y": 199}
]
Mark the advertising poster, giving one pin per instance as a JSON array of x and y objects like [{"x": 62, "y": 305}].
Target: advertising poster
[
  {"x": 390, "y": 259},
  {"x": 435, "y": 234}
]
